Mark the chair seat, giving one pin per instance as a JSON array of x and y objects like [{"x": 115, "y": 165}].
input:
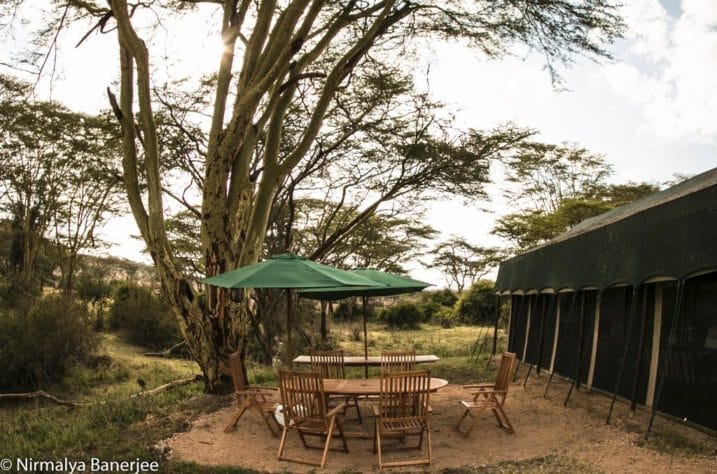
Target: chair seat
[
  {"x": 402, "y": 425},
  {"x": 470, "y": 404}
]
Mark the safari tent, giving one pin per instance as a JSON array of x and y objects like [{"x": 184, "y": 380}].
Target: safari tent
[{"x": 626, "y": 302}]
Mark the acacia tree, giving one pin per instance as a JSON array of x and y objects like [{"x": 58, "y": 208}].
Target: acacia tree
[
  {"x": 58, "y": 179},
  {"x": 464, "y": 263},
  {"x": 271, "y": 50},
  {"x": 556, "y": 187}
]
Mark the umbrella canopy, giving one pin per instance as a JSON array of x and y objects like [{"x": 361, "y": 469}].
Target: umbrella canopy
[
  {"x": 392, "y": 285},
  {"x": 290, "y": 271}
]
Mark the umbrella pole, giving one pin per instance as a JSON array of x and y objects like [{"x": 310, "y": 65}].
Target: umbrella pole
[
  {"x": 289, "y": 324},
  {"x": 365, "y": 334}
]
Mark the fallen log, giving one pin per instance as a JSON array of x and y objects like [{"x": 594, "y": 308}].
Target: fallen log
[
  {"x": 165, "y": 353},
  {"x": 46, "y": 396},
  {"x": 167, "y": 386}
]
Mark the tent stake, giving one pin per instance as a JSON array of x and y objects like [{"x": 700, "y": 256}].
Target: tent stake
[
  {"x": 665, "y": 359},
  {"x": 623, "y": 360}
]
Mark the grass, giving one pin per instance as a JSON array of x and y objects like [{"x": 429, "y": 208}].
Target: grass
[
  {"x": 460, "y": 359},
  {"x": 114, "y": 426},
  {"x": 553, "y": 464},
  {"x": 117, "y": 427}
]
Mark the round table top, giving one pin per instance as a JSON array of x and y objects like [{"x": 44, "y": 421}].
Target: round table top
[{"x": 367, "y": 386}]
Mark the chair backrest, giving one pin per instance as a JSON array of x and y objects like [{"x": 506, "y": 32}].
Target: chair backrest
[
  {"x": 302, "y": 397},
  {"x": 405, "y": 395},
  {"x": 398, "y": 361},
  {"x": 237, "y": 374},
  {"x": 502, "y": 379},
  {"x": 330, "y": 364}
]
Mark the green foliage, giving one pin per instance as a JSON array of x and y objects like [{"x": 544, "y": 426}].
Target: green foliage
[
  {"x": 478, "y": 304},
  {"x": 38, "y": 346},
  {"x": 444, "y": 297},
  {"x": 143, "y": 317},
  {"x": 557, "y": 187},
  {"x": 444, "y": 317},
  {"x": 404, "y": 315},
  {"x": 349, "y": 310},
  {"x": 462, "y": 262}
]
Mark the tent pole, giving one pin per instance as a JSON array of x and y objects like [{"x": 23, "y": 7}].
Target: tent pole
[
  {"x": 511, "y": 345},
  {"x": 365, "y": 333},
  {"x": 557, "y": 342},
  {"x": 495, "y": 328},
  {"x": 623, "y": 360},
  {"x": 527, "y": 336},
  {"x": 640, "y": 348},
  {"x": 541, "y": 344},
  {"x": 665, "y": 359},
  {"x": 289, "y": 325},
  {"x": 581, "y": 328}
]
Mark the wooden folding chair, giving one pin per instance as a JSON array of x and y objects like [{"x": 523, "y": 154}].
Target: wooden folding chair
[
  {"x": 489, "y": 395},
  {"x": 330, "y": 364},
  {"x": 251, "y": 398},
  {"x": 304, "y": 404},
  {"x": 398, "y": 361},
  {"x": 403, "y": 410}
]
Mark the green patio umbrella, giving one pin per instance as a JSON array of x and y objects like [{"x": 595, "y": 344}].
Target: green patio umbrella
[
  {"x": 393, "y": 285},
  {"x": 289, "y": 271}
]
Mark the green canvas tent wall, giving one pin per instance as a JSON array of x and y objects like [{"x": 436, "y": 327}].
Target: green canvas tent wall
[{"x": 626, "y": 302}]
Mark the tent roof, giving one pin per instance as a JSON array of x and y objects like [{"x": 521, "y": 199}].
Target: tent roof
[
  {"x": 394, "y": 285},
  {"x": 672, "y": 233}
]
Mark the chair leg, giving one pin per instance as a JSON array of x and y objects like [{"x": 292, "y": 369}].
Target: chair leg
[
  {"x": 235, "y": 419},
  {"x": 475, "y": 416},
  {"x": 343, "y": 436},
  {"x": 328, "y": 441},
  {"x": 503, "y": 420},
  {"x": 274, "y": 432},
  {"x": 281, "y": 444}
]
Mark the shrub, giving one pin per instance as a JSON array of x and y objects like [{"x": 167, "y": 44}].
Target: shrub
[
  {"x": 344, "y": 312},
  {"x": 444, "y": 317},
  {"x": 404, "y": 315},
  {"x": 144, "y": 318},
  {"x": 477, "y": 305},
  {"x": 39, "y": 345},
  {"x": 430, "y": 309},
  {"x": 444, "y": 297}
]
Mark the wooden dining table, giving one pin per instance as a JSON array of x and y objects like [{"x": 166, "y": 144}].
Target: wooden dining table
[
  {"x": 370, "y": 361},
  {"x": 370, "y": 387}
]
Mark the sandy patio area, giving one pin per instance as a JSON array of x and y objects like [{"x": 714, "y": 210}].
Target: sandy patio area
[{"x": 543, "y": 427}]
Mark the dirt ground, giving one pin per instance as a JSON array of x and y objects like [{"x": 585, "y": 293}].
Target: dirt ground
[{"x": 543, "y": 427}]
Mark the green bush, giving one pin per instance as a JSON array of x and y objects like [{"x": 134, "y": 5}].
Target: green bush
[
  {"x": 404, "y": 315},
  {"x": 344, "y": 312},
  {"x": 144, "y": 318},
  {"x": 444, "y": 317},
  {"x": 430, "y": 309},
  {"x": 39, "y": 345},
  {"x": 477, "y": 305},
  {"x": 444, "y": 297}
]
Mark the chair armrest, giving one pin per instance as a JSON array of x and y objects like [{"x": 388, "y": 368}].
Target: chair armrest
[
  {"x": 480, "y": 385},
  {"x": 253, "y": 392},
  {"x": 334, "y": 411}
]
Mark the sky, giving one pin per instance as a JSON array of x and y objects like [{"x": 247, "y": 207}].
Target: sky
[{"x": 652, "y": 112}]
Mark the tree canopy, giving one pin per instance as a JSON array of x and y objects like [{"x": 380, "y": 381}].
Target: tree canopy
[{"x": 285, "y": 65}]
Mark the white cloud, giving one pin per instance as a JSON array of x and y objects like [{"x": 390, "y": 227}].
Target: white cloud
[{"x": 672, "y": 75}]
